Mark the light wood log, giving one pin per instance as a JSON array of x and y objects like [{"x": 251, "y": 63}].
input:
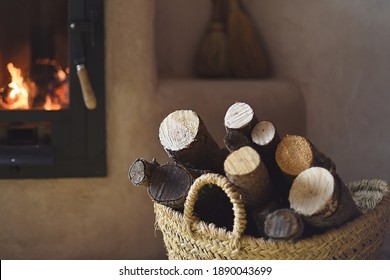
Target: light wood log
[
  {"x": 266, "y": 139},
  {"x": 141, "y": 170},
  {"x": 246, "y": 170},
  {"x": 284, "y": 224},
  {"x": 241, "y": 117},
  {"x": 295, "y": 154},
  {"x": 322, "y": 198},
  {"x": 264, "y": 134},
  {"x": 186, "y": 140}
]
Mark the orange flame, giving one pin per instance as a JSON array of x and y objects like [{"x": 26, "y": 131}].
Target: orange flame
[{"x": 19, "y": 93}]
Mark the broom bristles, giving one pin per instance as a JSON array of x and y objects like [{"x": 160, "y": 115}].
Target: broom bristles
[
  {"x": 212, "y": 53},
  {"x": 244, "y": 51}
]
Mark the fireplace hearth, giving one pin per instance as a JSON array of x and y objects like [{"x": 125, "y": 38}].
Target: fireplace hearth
[{"x": 51, "y": 67}]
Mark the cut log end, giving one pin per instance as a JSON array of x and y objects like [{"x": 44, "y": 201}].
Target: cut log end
[
  {"x": 283, "y": 224},
  {"x": 242, "y": 161},
  {"x": 312, "y": 191},
  {"x": 245, "y": 169},
  {"x": 294, "y": 154},
  {"x": 140, "y": 171},
  {"x": 239, "y": 116},
  {"x": 186, "y": 140},
  {"x": 179, "y": 129},
  {"x": 169, "y": 185},
  {"x": 263, "y": 133}
]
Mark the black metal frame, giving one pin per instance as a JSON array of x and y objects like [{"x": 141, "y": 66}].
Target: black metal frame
[{"x": 78, "y": 143}]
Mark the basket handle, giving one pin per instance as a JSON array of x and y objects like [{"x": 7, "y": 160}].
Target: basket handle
[{"x": 239, "y": 222}]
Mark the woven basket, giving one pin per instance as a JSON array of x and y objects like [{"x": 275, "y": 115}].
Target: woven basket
[{"x": 187, "y": 237}]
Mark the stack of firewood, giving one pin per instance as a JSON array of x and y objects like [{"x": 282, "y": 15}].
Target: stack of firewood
[{"x": 290, "y": 189}]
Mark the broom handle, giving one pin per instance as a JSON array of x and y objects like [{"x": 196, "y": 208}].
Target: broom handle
[
  {"x": 234, "y": 5},
  {"x": 217, "y": 11}
]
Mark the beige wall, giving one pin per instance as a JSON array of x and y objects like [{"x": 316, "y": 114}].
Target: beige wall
[
  {"x": 103, "y": 218},
  {"x": 338, "y": 53},
  {"x": 335, "y": 51}
]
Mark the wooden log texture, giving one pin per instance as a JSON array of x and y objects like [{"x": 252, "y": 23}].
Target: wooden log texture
[
  {"x": 322, "y": 198},
  {"x": 245, "y": 169},
  {"x": 186, "y": 140},
  {"x": 284, "y": 224},
  {"x": 295, "y": 154},
  {"x": 257, "y": 216},
  {"x": 141, "y": 170},
  {"x": 266, "y": 139},
  {"x": 241, "y": 117},
  {"x": 169, "y": 185},
  {"x": 235, "y": 140}
]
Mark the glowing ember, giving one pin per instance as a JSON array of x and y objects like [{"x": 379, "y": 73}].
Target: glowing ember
[{"x": 46, "y": 90}]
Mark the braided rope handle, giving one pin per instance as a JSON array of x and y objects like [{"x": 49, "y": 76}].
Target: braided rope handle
[{"x": 239, "y": 222}]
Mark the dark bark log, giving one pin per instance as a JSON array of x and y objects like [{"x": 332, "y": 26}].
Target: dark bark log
[
  {"x": 284, "y": 224},
  {"x": 295, "y": 154},
  {"x": 169, "y": 185},
  {"x": 141, "y": 170},
  {"x": 235, "y": 140},
  {"x": 186, "y": 140},
  {"x": 266, "y": 139},
  {"x": 246, "y": 170},
  {"x": 322, "y": 198},
  {"x": 240, "y": 117},
  {"x": 256, "y": 218}
]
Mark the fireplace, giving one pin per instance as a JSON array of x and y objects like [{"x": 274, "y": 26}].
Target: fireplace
[{"x": 52, "y": 110}]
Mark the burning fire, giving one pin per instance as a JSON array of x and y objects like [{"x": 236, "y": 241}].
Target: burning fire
[
  {"x": 49, "y": 90},
  {"x": 17, "y": 97}
]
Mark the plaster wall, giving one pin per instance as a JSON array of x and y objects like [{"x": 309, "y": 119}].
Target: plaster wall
[{"x": 338, "y": 53}]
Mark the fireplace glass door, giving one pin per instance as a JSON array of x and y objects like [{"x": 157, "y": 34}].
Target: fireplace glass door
[
  {"x": 34, "y": 60},
  {"x": 49, "y": 52}
]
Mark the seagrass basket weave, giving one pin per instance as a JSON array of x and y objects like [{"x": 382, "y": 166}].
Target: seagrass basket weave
[{"x": 187, "y": 237}]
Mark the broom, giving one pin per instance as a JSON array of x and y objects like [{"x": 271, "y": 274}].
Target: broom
[
  {"x": 244, "y": 51},
  {"x": 212, "y": 50}
]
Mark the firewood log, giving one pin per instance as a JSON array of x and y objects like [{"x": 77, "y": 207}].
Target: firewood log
[
  {"x": 186, "y": 140},
  {"x": 295, "y": 154},
  {"x": 266, "y": 139},
  {"x": 235, "y": 140},
  {"x": 241, "y": 117},
  {"x": 322, "y": 198},
  {"x": 245, "y": 169},
  {"x": 257, "y": 216},
  {"x": 141, "y": 170},
  {"x": 169, "y": 185},
  {"x": 284, "y": 224}
]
